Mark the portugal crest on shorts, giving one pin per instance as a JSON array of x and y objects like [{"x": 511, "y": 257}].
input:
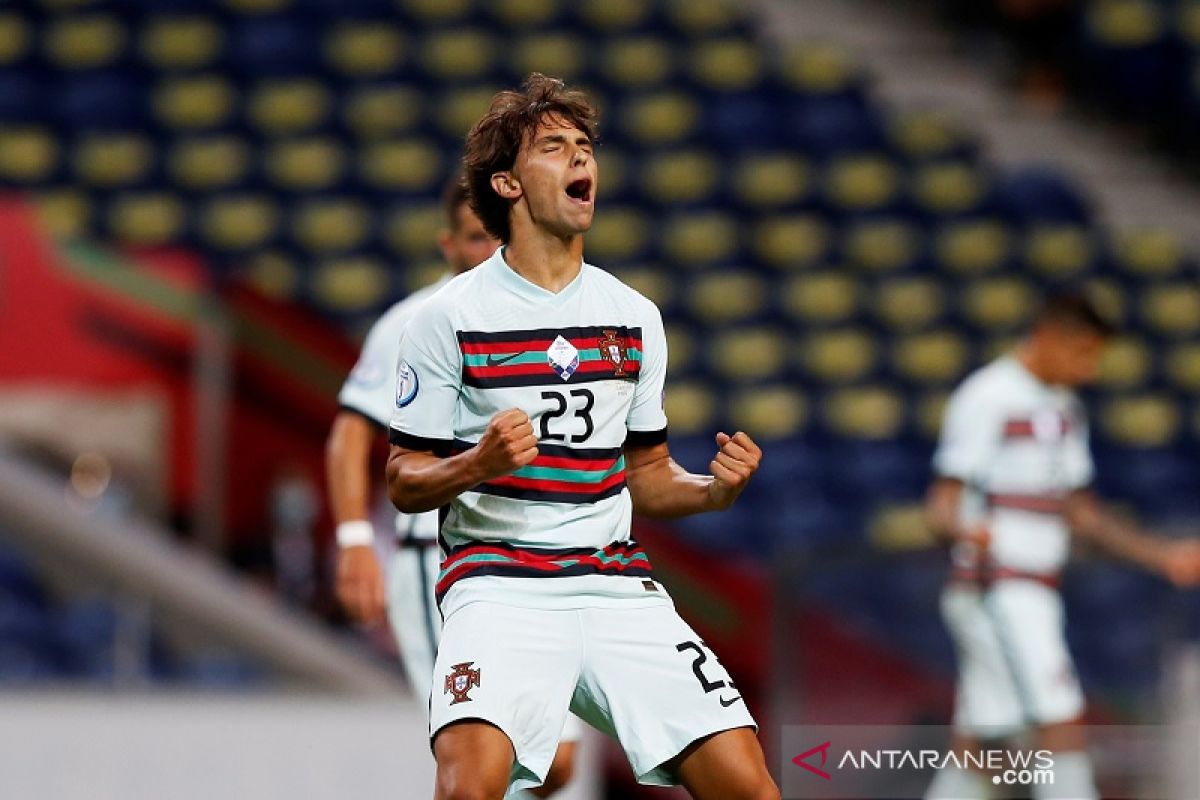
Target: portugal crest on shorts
[
  {"x": 612, "y": 350},
  {"x": 459, "y": 682}
]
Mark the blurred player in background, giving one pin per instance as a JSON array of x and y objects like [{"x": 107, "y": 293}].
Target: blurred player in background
[
  {"x": 367, "y": 400},
  {"x": 531, "y": 404},
  {"x": 1013, "y": 468}
]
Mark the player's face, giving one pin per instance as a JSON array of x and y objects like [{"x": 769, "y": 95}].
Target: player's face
[
  {"x": 1073, "y": 355},
  {"x": 557, "y": 172},
  {"x": 468, "y": 244}
]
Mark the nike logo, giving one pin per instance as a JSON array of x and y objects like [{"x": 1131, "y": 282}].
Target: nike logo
[
  {"x": 729, "y": 702},
  {"x": 492, "y": 361}
]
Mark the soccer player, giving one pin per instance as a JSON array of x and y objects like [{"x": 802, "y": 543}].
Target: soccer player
[
  {"x": 531, "y": 410},
  {"x": 367, "y": 400},
  {"x": 1013, "y": 472}
]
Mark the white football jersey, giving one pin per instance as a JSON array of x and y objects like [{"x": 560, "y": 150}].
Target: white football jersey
[
  {"x": 369, "y": 389},
  {"x": 1020, "y": 447},
  {"x": 587, "y": 364}
]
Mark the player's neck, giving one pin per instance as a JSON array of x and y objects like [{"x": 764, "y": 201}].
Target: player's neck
[{"x": 544, "y": 259}]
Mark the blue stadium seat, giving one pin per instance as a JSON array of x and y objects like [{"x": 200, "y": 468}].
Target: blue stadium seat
[
  {"x": 1039, "y": 195},
  {"x": 273, "y": 46}
]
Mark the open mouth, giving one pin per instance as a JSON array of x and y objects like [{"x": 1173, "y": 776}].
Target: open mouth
[{"x": 580, "y": 190}]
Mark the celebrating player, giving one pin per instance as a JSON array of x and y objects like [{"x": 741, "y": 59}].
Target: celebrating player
[
  {"x": 530, "y": 410},
  {"x": 1014, "y": 467},
  {"x": 367, "y": 400}
]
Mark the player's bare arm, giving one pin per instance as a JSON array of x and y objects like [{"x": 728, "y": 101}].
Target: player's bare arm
[
  {"x": 941, "y": 514},
  {"x": 1178, "y": 560},
  {"x": 347, "y": 456},
  {"x": 662, "y": 489},
  {"x": 420, "y": 481}
]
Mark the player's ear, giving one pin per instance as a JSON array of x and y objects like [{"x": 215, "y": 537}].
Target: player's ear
[{"x": 506, "y": 185}]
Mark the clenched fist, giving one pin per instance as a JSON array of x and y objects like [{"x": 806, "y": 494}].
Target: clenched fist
[
  {"x": 507, "y": 445},
  {"x": 735, "y": 462}
]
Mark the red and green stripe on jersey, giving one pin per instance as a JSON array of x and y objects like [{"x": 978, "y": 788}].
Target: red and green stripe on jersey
[
  {"x": 492, "y": 360},
  {"x": 502, "y": 558},
  {"x": 561, "y": 475}
]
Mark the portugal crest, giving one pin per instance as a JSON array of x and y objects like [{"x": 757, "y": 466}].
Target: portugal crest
[
  {"x": 612, "y": 350},
  {"x": 459, "y": 682}
]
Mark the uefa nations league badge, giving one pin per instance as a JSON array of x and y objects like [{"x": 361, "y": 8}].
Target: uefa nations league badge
[
  {"x": 407, "y": 384},
  {"x": 563, "y": 357}
]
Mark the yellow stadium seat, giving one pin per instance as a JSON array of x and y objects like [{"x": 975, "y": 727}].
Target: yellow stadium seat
[
  {"x": 649, "y": 279},
  {"x": 1059, "y": 251},
  {"x": 65, "y": 213},
  {"x": 771, "y": 181},
  {"x": 365, "y": 49},
  {"x": 375, "y": 112},
  {"x": 618, "y": 233},
  {"x": 972, "y": 248},
  {"x": 1126, "y": 364},
  {"x": 202, "y": 101},
  {"x": 288, "y": 106},
  {"x": 999, "y": 303},
  {"x": 85, "y": 41},
  {"x": 769, "y": 412},
  {"x": 1172, "y": 309},
  {"x": 460, "y": 109},
  {"x": 695, "y": 239},
  {"x": 681, "y": 176},
  {"x": 258, "y": 6},
  {"x": 238, "y": 222},
  {"x": 1189, "y": 23},
  {"x": 726, "y": 296},
  {"x": 272, "y": 274},
  {"x": 16, "y": 37},
  {"x": 869, "y": 412},
  {"x": 558, "y": 54},
  {"x": 816, "y": 68},
  {"x": 437, "y": 12},
  {"x": 404, "y": 165},
  {"x": 682, "y": 348},
  {"x": 613, "y": 170},
  {"x": 838, "y": 356},
  {"x": 938, "y": 357},
  {"x": 1150, "y": 253},
  {"x": 820, "y": 298},
  {"x": 1183, "y": 366},
  {"x": 412, "y": 230},
  {"x": 691, "y": 407},
  {"x": 207, "y": 163},
  {"x": 727, "y": 64},
  {"x": 948, "y": 188},
  {"x": 862, "y": 182},
  {"x": 351, "y": 284},
  {"x": 27, "y": 154},
  {"x": 612, "y": 16},
  {"x": 929, "y": 410},
  {"x": 1141, "y": 420},
  {"x": 458, "y": 54},
  {"x": 925, "y": 134},
  {"x": 704, "y": 17},
  {"x": 660, "y": 118},
  {"x": 881, "y": 245},
  {"x": 425, "y": 273},
  {"x": 998, "y": 346},
  {"x": 179, "y": 43},
  {"x": 747, "y": 354},
  {"x": 307, "y": 164},
  {"x": 111, "y": 160},
  {"x": 900, "y": 527},
  {"x": 331, "y": 225},
  {"x": 637, "y": 62},
  {"x": 146, "y": 218},
  {"x": 526, "y": 14},
  {"x": 792, "y": 242},
  {"x": 1126, "y": 23},
  {"x": 907, "y": 304}
]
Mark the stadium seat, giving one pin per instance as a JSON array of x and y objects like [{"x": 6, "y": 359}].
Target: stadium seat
[
  {"x": 659, "y": 118},
  {"x": 679, "y": 177},
  {"x": 1149, "y": 254},
  {"x": 304, "y": 164},
  {"x": 278, "y": 46},
  {"x": 1141, "y": 420},
  {"x": 84, "y": 41},
  {"x": 683, "y": 351},
  {"x": 1128, "y": 363},
  {"x": 641, "y": 62},
  {"x": 1171, "y": 309},
  {"x": 929, "y": 407},
  {"x": 770, "y": 181},
  {"x": 1000, "y": 304},
  {"x": 238, "y": 222},
  {"x": 864, "y": 412},
  {"x": 1110, "y": 298},
  {"x": 380, "y": 110},
  {"x": 792, "y": 242},
  {"x": 28, "y": 155},
  {"x": 172, "y": 42},
  {"x": 366, "y": 49},
  {"x": 16, "y": 39},
  {"x": 949, "y": 188},
  {"x": 288, "y": 107},
  {"x": 1125, "y": 45},
  {"x": 614, "y": 173},
  {"x": 923, "y": 134},
  {"x": 725, "y": 65},
  {"x": 937, "y": 357},
  {"x": 412, "y": 166},
  {"x": 66, "y": 213},
  {"x": 458, "y": 109},
  {"x": 862, "y": 183},
  {"x": 331, "y": 225},
  {"x": 743, "y": 355},
  {"x": 618, "y": 233},
  {"x": 691, "y": 407},
  {"x": 820, "y": 298},
  {"x": 838, "y": 356},
  {"x": 206, "y": 163},
  {"x": 422, "y": 274},
  {"x": 769, "y": 413},
  {"x": 252, "y": 8},
  {"x": 524, "y": 15},
  {"x": 909, "y": 303},
  {"x": 815, "y": 68},
  {"x": 271, "y": 273},
  {"x": 1182, "y": 366},
  {"x": 458, "y": 54},
  {"x": 430, "y": 13},
  {"x": 1060, "y": 252},
  {"x": 973, "y": 247},
  {"x": 726, "y": 296},
  {"x": 110, "y": 160},
  {"x": 693, "y": 240},
  {"x": 882, "y": 245},
  {"x": 411, "y": 230},
  {"x": 557, "y": 53},
  {"x": 351, "y": 284},
  {"x": 91, "y": 100},
  {"x": 22, "y": 98},
  {"x": 608, "y": 17},
  {"x": 146, "y": 219},
  {"x": 194, "y": 102},
  {"x": 1033, "y": 195}
]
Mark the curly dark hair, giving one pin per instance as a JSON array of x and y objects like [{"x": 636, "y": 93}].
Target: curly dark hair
[{"x": 494, "y": 141}]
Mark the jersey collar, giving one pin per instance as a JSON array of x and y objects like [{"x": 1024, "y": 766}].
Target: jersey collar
[{"x": 509, "y": 278}]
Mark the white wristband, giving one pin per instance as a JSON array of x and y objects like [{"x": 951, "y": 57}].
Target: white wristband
[{"x": 355, "y": 533}]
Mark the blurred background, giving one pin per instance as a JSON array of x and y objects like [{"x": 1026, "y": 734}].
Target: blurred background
[{"x": 841, "y": 206}]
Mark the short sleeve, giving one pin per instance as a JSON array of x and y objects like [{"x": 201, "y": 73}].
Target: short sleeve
[
  {"x": 428, "y": 382},
  {"x": 368, "y": 389},
  {"x": 646, "y": 414},
  {"x": 1078, "y": 468},
  {"x": 970, "y": 436}
]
